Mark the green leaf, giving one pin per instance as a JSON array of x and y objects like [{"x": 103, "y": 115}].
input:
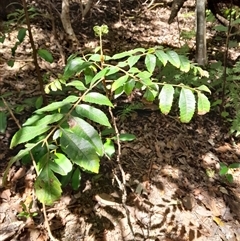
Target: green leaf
[
  {"x": 121, "y": 55},
  {"x": 119, "y": 82},
  {"x": 186, "y": 104},
  {"x": 127, "y": 137},
  {"x": 97, "y": 98},
  {"x": 223, "y": 169},
  {"x": 109, "y": 147},
  {"x": 93, "y": 114},
  {"x": 76, "y": 179},
  {"x": 21, "y": 34},
  {"x": 162, "y": 56},
  {"x": 204, "y": 88},
  {"x": 47, "y": 187},
  {"x": 118, "y": 92},
  {"x": 173, "y": 58},
  {"x": 234, "y": 165},
  {"x": 150, "y": 95},
  {"x": 46, "y": 55},
  {"x": 150, "y": 62},
  {"x": 132, "y": 60},
  {"x": 101, "y": 74},
  {"x": 166, "y": 98},
  {"x": 3, "y": 122},
  {"x": 221, "y": 28},
  {"x": 77, "y": 84},
  {"x": 61, "y": 164},
  {"x": 39, "y": 102},
  {"x": 203, "y": 104},
  {"x": 74, "y": 65},
  {"x": 112, "y": 70},
  {"x": 229, "y": 177},
  {"x": 28, "y": 133},
  {"x": 58, "y": 104},
  {"x": 145, "y": 78},
  {"x": 184, "y": 64},
  {"x": 84, "y": 130},
  {"x": 79, "y": 150},
  {"x": 129, "y": 86}
]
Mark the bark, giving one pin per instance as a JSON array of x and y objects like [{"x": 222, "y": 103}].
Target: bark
[
  {"x": 66, "y": 22},
  {"x": 201, "y": 49}
]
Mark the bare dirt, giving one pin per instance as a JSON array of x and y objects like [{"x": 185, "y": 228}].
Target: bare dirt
[{"x": 174, "y": 191}]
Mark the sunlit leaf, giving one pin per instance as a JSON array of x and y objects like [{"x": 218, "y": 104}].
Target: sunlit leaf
[
  {"x": 162, "y": 56},
  {"x": 132, "y": 60},
  {"x": 79, "y": 150},
  {"x": 204, "y": 88},
  {"x": 150, "y": 62},
  {"x": 109, "y": 147},
  {"x": 47, "y": 187},
  {"x": 119, "y": 82},
  {"x": 203, "y": 104},
  {"x": 97, "y": 98},
  {"x": 61, "y": 164},
  {"x": 84, "y": 130},
  {"x": 166, "y": 98},
  {"x": 173, "y": 58},
  {"x": 186, "y": 104},
  {"x": 77, "y": 84},
  {"x": 129, "y": 86},
  {"x": 93, "y": 114},
  {"x": 28, "y": 133},
  {"x": 58, "y": 104},
  {"x": 184, "y": 63}
]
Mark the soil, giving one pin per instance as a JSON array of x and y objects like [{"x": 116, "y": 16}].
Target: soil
[{"x": 174, "y": 191}]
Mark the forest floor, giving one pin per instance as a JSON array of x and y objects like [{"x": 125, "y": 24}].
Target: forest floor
[{"x": 174, "y": 191}]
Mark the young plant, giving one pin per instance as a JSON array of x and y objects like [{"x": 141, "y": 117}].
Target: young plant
[
  {"x": 226, "y": 171},
  {"x": 61, "y": 138}
]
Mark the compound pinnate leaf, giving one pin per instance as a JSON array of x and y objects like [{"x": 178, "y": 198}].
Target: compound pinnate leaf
[
  {"x": 166, "y": 98},
  {"x": 203, "y": 104},
  {"x": 97, "y": 98},
  {"x": 47, "y": 187},
  {"x": 186, "y": 104}
]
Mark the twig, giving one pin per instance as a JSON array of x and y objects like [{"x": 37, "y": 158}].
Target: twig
[
  {"x": 34, "y": 53},
  {"x": 47, "y": 224},
  {"x": 11, "y": 113},
  {"x": 224, "y": 76},
  {"x": 122, "y": 185}
]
